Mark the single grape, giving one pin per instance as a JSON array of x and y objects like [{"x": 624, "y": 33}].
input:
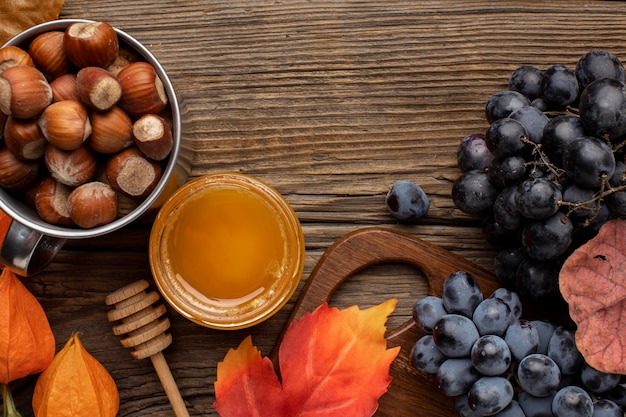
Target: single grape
[
  {"x": 616, "y": 203},
  {"x": 507, "y": 171},
  {"x": 538, "y": 198},
  {"x": 506, "y": 263},
  {"x": 506, "y": 137},
  {"x": 589, "y": 161},
  {"x": 562, "y": 350},
  {"x": 572, "y": 401},
  {"x": 617, "y": 394},
  {"x": 406, "y": 201},
  {"x": 426, "y": 356},
  {"x": 455, "y": 335},
  {"x": 538, "y": 375},
  {"x": 490, "y": 395},
  {"x": 598, "y": 64},
  {"x": 540, "y": 104},
  {"x": 547, "y": 238},
  {"x": 597, "y": 381},
  {"x": 581, "y": 199},
  {"x": 527, "y": 81},
  {"x": 545, "y": 330},
  {"x": 462, "y": 407},
  {"x": 619, "y": 175},
  {"x": 602, "y": 108},
  {"x": 461, "y": 293},
  {"x": 522, "y": 339},
  {"x": 473, "y": 192},
  {"x": 492, "y": 316},
  {"x": 491, "y": 355},
  {"x": 455, "y": 376},
  {"x": 560, "y": 86},
  {"x": 538, "y": 281},
  {"x": 557, "y": 133},
  {"x": 533, "y": 120},
  {"x": 473, "y": 153},
  {"x": 606, "y": 408},
  {"x": 502, "y": 103},
  {"x": 511, "y": 299},
  {"x": 427, "y": 311},
  {"x": 505, "y": 211},
  {"x": 511, "y": 410},
  {"x": 535, "y": 406}
]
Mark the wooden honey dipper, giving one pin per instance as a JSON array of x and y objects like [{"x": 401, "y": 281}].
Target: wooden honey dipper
[{"x": 145, "y": 330}]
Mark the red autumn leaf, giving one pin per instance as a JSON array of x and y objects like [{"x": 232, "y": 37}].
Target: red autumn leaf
[
  {"x": 333, "y": 364},
  {"x": 593, "y": 282}
]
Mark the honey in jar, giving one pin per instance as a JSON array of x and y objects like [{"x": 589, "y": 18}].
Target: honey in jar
[{"x": 226, "y": 251}]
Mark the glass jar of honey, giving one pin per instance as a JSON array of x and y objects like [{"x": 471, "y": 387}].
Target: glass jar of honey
[{"x": 226, "y": 251}]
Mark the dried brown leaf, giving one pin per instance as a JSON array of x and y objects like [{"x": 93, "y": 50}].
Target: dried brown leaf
[{"x": 19, "y": 15}]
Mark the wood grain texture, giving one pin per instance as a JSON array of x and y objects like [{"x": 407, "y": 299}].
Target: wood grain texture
[{"x": 330, "y": 102}]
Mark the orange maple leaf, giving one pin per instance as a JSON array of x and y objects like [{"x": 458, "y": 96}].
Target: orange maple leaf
[{"x": 333, "y": 363}]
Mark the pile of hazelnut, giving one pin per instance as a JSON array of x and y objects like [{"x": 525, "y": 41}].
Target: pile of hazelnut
[{"x": 84, "y": 125}]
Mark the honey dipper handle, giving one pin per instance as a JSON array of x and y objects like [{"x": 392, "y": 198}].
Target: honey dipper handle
[{"x": 169, "y": 385}]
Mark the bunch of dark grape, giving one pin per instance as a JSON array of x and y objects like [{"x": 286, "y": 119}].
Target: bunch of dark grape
[
  {"x": 494, "y": 362},
  {"x": 549, "y": 171}
]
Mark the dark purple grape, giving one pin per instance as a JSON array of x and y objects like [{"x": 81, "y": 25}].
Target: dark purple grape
[
  {"x": 489, "y": 395},
  {"x": 502, "y": 103},
  {"x": 506, "y": 262},
  {"x": 533, "y": 120},
  {"x": 597, "y": 381},
  {"x": 507, "y": 171},
  {"x": 538, "y": 281},
  {"x": 505, "y": 211},
  {"x": 562, "y": 350},
  {"x": 589, "y": 161},
  {"x": 606, "y": 408},
  {"x": 491, "y": 355},
  {"x": 461, "y": 293},
  {"x": 511, "y": 410},
  {"x": 548, "y": 238},
  {"x": 535, "y": 406},
  {"x": 558, "y": 132},
  {"x": 427, "y": 311},
  {"x": 572, "y": 401},
  {"x": 538, "y": 375},
  {"x": 598, "y": 64},
  {"x": 426, "y": 356},
  {"x": 582, "y": 200},
  {"x": 527, "y": 81},
  {"x": 455, "y": 335},
  {"x": 545, "y": 330},
  {"x": 492, "y": 317},
  {"x": 616, "y": 203},
  {"x": 505, "y": 137},
  {"x": 406, "y": 201},
  {"x": 538, "y": 198},
  {"x": 560, "y": 86},
  {"x": 473, "y": 192},
  {"x": 456, "y": 376},
  {"x": 522, "y": 339},
  {"x": 473, "y": 153},
  {"x": 511, "y": 299},
  {"x": 602, "y": 108}
]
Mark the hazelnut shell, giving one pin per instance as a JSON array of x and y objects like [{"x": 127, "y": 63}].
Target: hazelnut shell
[{"x": 92, "y": 204}]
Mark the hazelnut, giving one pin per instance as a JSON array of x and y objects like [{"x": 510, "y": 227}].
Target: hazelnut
[
  {"x": 153, "y": 136},
  {"x": 142, "y": 90},
  {"x": 24, "y": 92},
  {"x": 24, "y": 138},
  {"x": 72, "y": 168},
  {"x": 51, "y": 202},
  {"x": 16, "y": 174},
  {"x": 92, "y": 204},
  {"x": 48, "y": 53},
  {"x": 64, "y": 88},
  {"x": 65, "y": 124},
  {"x": 111, "y": 131},
  {"x": 12, "y": 56},
  {"x": 97, "y": 88},
  {"x": 132, "y": 174},
  {"x": 91, "y": 44},
  {"x": 124, "y": 57}
]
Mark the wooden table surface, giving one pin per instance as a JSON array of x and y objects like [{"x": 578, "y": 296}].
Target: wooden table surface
[{"x": 330, "y": 102}]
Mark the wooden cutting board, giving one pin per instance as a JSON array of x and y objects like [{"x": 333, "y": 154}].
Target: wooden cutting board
[{"x": 411, "y": 393}]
